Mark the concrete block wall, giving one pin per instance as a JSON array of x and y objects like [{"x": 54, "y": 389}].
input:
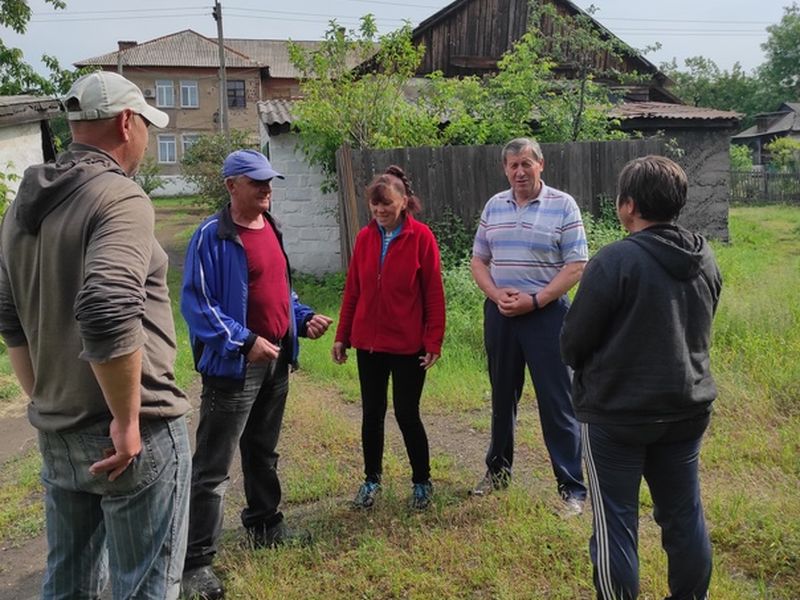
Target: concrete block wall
[
  {"x": 20, "y": 145},
  {"x": 307, "y": 216}
]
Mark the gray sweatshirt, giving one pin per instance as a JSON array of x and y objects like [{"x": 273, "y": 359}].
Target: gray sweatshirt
[
  {"x": 639, "y": 330},
  {"x": 83, "y": 279}
]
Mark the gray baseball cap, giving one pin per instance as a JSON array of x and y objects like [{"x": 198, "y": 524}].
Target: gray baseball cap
[{"x": 102, "y": 95}]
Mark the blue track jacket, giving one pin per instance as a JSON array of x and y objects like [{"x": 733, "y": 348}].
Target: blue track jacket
[{"x": 214, "y": 301}]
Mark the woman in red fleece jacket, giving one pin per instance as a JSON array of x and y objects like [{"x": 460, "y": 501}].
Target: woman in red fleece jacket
[{"x": 393, "y": 314}]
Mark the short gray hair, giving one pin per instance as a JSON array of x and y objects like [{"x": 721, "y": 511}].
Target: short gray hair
[{"x": 518, "y": 145}]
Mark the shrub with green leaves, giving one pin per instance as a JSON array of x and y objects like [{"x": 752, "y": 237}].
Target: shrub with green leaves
[
  {"x": 741, "y": 158},
  {"x": 149, "y": 175},
  {"x": 202, "y": 164}
]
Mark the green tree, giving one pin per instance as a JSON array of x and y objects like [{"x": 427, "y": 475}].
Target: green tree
[
  {"x": 149, "y": 175},
  {"x": 364, "y": 107},
  {"x": 16, "y": 75},
  {"x": 577, "y": 106},
  {"x": 703, "y": 83},
  {"x": 202, "y": 164},
  {"x": 781, "y": 71},
  {"x": 784, "y": 154},
  {"x": 741, "y": 158}
]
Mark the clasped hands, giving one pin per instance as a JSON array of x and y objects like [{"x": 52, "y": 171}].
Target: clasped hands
[{"x": 513, "y": 303}]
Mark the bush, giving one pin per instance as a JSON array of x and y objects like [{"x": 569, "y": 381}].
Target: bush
[
  {"x": 6, "y": 193},
  {"x": 202, "y": 164},
  {"x": 148, "y": 176},
  {"x": 603, "y": 228},
  {"x": 454, "y": 237},
  {"x": 741, "y": 158}
]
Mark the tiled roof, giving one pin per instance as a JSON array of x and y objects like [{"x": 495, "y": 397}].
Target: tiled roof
[
  {"x": 664, "y": 110},
  {"x": 275, "y": 112},
  {"x": 183, "y": 49}
]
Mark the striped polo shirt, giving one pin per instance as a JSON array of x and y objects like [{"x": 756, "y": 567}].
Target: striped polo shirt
[{"x": 526, "y": 247}]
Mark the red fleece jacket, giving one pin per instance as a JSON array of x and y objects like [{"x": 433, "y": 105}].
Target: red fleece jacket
[{"x": 398, "y": 307}]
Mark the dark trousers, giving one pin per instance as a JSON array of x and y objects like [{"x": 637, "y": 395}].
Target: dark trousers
[
  {"x": 250, "y": 417},
  {"x": 408, "y": 378},
  {"x": 666, "y": 455},
  {"x": 532, "y": 339}
]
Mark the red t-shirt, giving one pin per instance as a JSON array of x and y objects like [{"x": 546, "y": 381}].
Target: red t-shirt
[{"x": 267, "y": 283}]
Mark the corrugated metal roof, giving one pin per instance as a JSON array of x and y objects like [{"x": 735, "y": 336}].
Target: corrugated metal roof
[
  {"x": 663, "y": 110},
  {"x": 272, "y": 53},
  {"x": 27, "y": 108},
  {"x": 782, "y": 123},
  {"x": 183, "y": 49},
  {"x": 275, "y": 112}
]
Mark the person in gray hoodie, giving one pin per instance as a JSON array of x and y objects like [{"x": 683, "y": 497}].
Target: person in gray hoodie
[
  {"x": 85, "y": 313},
  {"x": 637, "y": 336}
]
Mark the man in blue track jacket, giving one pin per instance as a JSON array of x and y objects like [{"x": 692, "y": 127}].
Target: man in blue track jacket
[{"x": 244, "y": 320}]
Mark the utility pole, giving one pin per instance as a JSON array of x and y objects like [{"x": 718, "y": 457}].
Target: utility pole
[{"x": 223, "y": 81}]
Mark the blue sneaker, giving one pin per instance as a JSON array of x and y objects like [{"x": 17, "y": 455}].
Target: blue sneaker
[
  {"x": 421, "y": 495},
  {"x": 367, "y": 494}
]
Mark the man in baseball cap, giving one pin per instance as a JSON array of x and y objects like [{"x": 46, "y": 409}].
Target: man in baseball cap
[
  {"x": 244, "y": 320},
  {"x": 86, "y": 317},
  {"x": 102, "y": 95},
  {"x": 251, "y": 163}
]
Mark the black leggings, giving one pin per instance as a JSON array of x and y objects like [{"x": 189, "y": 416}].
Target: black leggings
[{"x": 408, "y": 378}]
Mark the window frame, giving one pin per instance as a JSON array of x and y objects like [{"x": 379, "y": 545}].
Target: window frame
[
  {"x": 189, "y": 85},
  {"x": 162, "y": 85},
  {"x": 243, "y": 90},
  {"x": 166, "y": 138}
]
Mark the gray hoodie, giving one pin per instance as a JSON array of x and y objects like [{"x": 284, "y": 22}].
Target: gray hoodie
[
  {"x": 83, "y": 279},
  {"x": 639, "y": 330}
]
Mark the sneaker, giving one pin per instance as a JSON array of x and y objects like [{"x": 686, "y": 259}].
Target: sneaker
[
  {"x": 421, "y": 495},
  {"x": 367, "y": 494},
  {"x": 279, "y": 534},
  {"x": 201, "y": 584},
  {"x": 491, "y": 482},
  {"x": 573, "y": 505}
]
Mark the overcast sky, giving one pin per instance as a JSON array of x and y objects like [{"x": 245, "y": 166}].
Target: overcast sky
[{"x": 721, "y": 30}]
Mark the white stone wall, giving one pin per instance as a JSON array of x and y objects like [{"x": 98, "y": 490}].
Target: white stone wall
[
  {"x": 307, "y": 216},
  {"x": 20, "y": 145},
  {"x": 174, "y": 185}
]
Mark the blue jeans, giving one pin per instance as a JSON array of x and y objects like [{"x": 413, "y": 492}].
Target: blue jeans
[
  {"x": 251, "y": 419},
  {"x": 132, "y": 529},
  {"x": 666, "y": 455}
]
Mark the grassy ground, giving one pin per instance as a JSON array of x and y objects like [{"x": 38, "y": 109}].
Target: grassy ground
[
  {"x": 513, "y": 545},
  {"x": 514, "y": 548}
]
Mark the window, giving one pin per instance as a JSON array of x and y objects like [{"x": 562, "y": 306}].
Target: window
[
  {"x": 236, "y": 98},
  {"x": 187, "y": 139},
  {"x": 189, "y": 94},
  {"x": 165, "y": 93},
  {"x": 166, "y": 148}
]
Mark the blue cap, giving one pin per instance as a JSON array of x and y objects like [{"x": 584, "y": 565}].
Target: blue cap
[{"x": 251, "y": 163}]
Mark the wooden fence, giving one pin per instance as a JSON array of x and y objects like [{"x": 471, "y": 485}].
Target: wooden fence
[
  {"x": 764, "y": 187},
  {"x": 463, "y": 178}
]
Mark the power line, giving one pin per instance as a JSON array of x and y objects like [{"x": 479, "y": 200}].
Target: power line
[
  {"x": 117, "y": 11},
  {"x": 249, "y": 11},
  {"x": 603, "y": 19},
  {"x": 128, "y": 18}
]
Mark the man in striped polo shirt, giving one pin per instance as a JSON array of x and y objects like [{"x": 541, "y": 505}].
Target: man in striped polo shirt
[{"x": 529, "y": 250}]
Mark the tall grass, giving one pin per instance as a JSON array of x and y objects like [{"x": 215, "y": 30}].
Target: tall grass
[{"x": 750, "y": 460}]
